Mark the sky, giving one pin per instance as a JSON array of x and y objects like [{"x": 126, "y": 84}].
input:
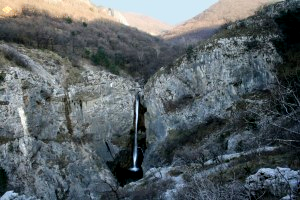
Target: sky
[{"x": 169, "y": 11}]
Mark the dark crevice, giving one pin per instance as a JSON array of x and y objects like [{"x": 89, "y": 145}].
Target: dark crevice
[
  {"x": 3, "y": 181},
  {"x": 80, "y": 103},
  {"x": 288, "y": 46},
  {"x": 141, "y": 120},
  {"x": 108, "y": 149},
  {"x": 67, "y": 114}
]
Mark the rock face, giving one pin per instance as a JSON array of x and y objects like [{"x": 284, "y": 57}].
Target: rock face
[
  {"x": 10, "y": 195},
  {"x": 58, "y": 124},
  {"x": 279, "y": 182},
  {"x": 210, "y": 80},
  {"x": 207, "y": 83},
  {"x": 118, "y": 16}
]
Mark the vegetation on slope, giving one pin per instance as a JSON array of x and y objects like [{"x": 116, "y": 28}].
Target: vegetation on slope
[
  {"x": 111, "y": 45},
  {"x": 208, "y": 22},
  {"x": 77, "y": 9}
]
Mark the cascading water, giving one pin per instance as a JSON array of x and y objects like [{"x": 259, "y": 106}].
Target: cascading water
[
  {"x": 127, "y": 164},
  {"x": 135, "y": 147}
]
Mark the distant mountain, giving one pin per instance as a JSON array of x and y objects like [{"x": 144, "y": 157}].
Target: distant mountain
[
  {"x": 146, "y": 24},
  {"x": 84, "y": 10},
  {"x": 205, "y": 24}
]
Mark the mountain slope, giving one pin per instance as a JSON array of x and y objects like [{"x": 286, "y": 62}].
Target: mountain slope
[
  {"x": 77, "y": 9},
  {"x": 204, "y": 24},
  {"x": 105, "y": 43},
  {"x": 147, "y": 24},
  {"x": 84, "y": 10}
]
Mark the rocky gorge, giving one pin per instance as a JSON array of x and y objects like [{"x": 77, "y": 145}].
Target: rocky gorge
[{"x": 67, "y": 132}]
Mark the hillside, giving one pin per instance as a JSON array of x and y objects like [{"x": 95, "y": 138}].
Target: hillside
[
  {"x": 111, "y": 45},
  {"x": 145, "y": 23},
  {"x": 78, "y": 9},
  {"x": 84, "y": 10},
  {"x": 206, "y": 23}
]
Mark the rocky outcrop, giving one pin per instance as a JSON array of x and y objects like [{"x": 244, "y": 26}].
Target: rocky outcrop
[
  {"x": 207, "y": 83},
  {"x": 210, "y": 80},
  {"x": 11, "y": 195},
  {"x": 117, "y": 16},
  {"x": 280, "y": 182},
  {"x": 60, "y": 124}
]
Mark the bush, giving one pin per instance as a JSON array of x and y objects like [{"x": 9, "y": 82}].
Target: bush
[
  {"x": 188, "y": 155},
  {"x": 189, "y": 52},
  {"x": 2, "y": 76},
  {"x": 114, "y": 69},
  {"x": 15, "y": 56},
  {"x": 69, "y": 20},
  {"x": 180, "y": 141},
  {"x": 151, "y": 190},
  {"x": 205, "y": 189},
  {"x": 100, "y": 58}
]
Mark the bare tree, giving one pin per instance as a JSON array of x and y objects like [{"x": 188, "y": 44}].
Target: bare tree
[
  {"x": 285, "y": 111},
  {"x": 204, "y": 189}
]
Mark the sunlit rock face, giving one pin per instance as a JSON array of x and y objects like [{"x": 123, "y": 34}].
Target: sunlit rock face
[
  {"x": 206, "y": 83},
  {"x": 57, "y": 130}
]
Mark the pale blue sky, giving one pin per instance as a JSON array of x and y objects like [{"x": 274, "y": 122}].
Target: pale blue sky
[{"x": 170, "y": 11}]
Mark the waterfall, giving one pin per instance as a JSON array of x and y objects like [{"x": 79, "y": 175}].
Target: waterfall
[{"x": 135, "y": 147}]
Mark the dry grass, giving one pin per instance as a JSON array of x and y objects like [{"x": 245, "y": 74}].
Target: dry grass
[
  {"x": 205, "y": 189},
  {"x": 75, "y": 9}
]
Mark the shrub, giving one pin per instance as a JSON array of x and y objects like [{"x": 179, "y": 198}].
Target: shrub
[
  {"x": 113, "y": 69},
  {"x": 189, "y": 52},
  {"x": 205, "y": 189},
  {"x": 15, "y": 56},
  {"x": 2, "y": 76},
  {"x": 152, "y": 190},
  {"x": 69, "y": 20},
  {"x": 180, "y": 141},
  {"x": 87, "y": 53},
  {"x": 189, "y": 155},
  {"x": 100, "y": 58}
]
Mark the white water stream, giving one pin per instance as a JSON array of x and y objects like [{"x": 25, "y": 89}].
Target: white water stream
[{"x": 135, "y": 147}]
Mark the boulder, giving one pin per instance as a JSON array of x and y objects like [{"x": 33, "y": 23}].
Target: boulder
[{"x": 280, "y": 182}]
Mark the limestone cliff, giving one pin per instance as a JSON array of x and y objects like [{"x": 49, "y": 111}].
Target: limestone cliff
[
  {"x": 57, "y": 124},
  {"x": 207, "y": 83}
]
